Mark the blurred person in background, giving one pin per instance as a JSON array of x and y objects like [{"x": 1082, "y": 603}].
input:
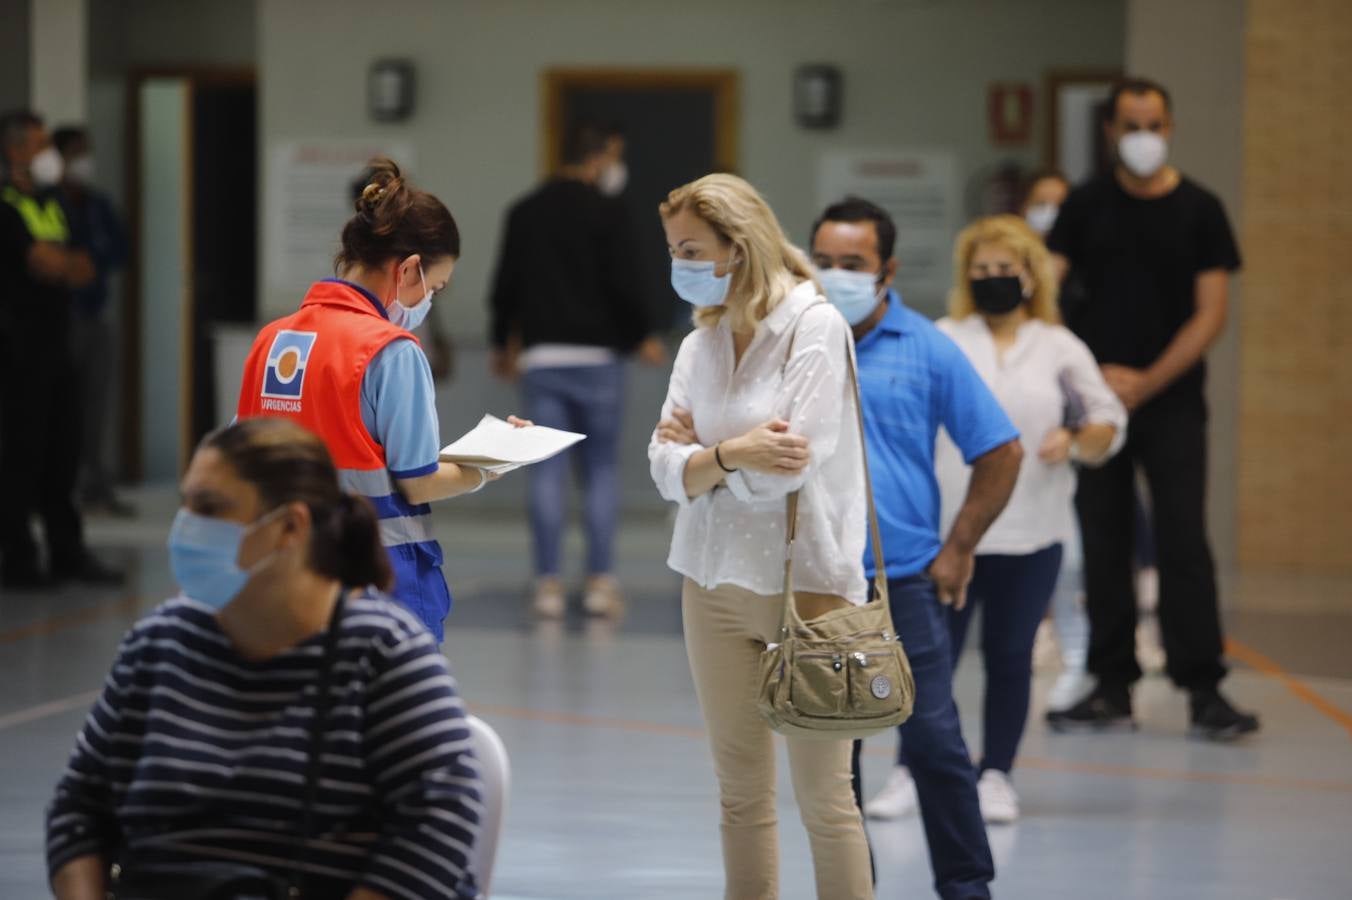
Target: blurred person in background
[
  {"x": 347, "y": 367},
  {"x": 40, "y": 408},
  {"x": 567, "y": 306},
  {"x": 1155, "y": 253},
  {"x": 1004, "y": 317},
  {"x": 912, "y": 379},
  {"x": 354, "y": 777},
  {"x": 96, "y": 228}
]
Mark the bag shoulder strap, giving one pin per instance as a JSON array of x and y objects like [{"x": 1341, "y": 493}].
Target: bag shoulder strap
[
  {"x": 790, "y": 615},
  {"x": 312, "y": 764}
]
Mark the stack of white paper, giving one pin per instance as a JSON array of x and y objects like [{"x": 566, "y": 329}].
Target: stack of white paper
[{"x": 501, "y": 447}]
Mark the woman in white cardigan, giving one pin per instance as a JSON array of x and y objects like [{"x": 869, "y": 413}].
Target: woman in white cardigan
[
  {"x": 1003, "y": 314},
  {"x": 760, "y": 404}
]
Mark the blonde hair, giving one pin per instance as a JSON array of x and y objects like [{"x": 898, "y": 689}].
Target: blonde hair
[
  {"x": 768, "y": 266},
  {"x": 1012, "y": 233}
]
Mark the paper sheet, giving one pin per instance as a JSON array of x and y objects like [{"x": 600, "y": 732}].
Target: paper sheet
[{"x": 501, "y": 447}]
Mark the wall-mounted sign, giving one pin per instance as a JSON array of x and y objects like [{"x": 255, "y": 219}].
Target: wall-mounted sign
[{"x": 1010, "y": 109}]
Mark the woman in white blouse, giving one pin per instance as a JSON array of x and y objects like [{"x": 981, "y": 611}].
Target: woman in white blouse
[
  {"x": 760, "y": 404},
  {"x": 1003, "y": 314}
]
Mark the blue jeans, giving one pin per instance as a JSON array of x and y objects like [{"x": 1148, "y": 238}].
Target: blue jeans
[
  {"x": 945, "y": 779},
  {"x": 589, "y": 400},
  {"x": 1013, "y": 593}
]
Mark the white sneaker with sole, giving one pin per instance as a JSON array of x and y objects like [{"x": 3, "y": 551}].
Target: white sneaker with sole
[
  {"x": 550, "y": 602},
  {"x": 1071, "y": 686},
  {"x": 999, "y": 802},
  {"x": 896, "y": 799}
]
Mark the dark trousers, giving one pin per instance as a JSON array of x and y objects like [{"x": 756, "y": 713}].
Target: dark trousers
[
  {"x": 1012, "y": 593},
  {"x": 40, "y": 454},
  {"x": 1167, "y": 439},
  {"x": 945, "y": 779}
]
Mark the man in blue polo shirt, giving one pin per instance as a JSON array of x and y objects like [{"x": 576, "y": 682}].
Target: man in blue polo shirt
[{"x": 913, "y": 379}]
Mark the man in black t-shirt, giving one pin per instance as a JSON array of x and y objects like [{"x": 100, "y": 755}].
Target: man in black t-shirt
[
  {"x": 39, "y": 399},
  {"x": 1154, "y": 252}
]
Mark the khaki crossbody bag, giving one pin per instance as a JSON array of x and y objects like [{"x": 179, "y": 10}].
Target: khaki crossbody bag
[{"x": 841, "y": 673}]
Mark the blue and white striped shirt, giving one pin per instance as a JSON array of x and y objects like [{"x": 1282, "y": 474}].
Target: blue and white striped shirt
[{"x": 195, "y": 753}]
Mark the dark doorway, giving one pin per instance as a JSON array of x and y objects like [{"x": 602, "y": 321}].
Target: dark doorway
[
  {"x": 225, "y": 179},
  {"x": 678, "y": 126}
]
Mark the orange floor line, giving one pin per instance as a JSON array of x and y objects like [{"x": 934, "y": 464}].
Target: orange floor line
[
  {"x": 1302, "y": 691},
  {"x": 53, "y": 624}
]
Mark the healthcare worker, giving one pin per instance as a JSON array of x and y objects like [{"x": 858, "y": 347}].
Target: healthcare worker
[{"x": 347, "y": 367}]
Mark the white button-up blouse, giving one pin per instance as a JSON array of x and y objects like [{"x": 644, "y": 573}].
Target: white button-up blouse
[
  {"x": 795, "y": 368},
  {"x": 1045, "y": 370}
]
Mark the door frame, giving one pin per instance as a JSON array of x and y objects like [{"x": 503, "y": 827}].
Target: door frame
[
  {"x": 724, "y": 84},
  {"x": 129, "y": 441}
]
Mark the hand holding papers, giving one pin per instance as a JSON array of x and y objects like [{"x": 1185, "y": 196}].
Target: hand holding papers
[{"x": 500, "y": 447}]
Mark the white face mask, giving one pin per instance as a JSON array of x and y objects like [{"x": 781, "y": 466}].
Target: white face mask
[
  {"x": 81, "y": 169},
  {"x": 1042, "y": 216},
  {"x": 46, "y": 168},
  {"x": 410, "y": 317},
  {"x": 613, "y": 179},
  {"x": 1143, "y": 152}
]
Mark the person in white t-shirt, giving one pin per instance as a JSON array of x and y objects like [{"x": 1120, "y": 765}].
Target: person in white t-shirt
[
  {"x": 760, "y": 404},
  {"x": 1003, "y": 315}
]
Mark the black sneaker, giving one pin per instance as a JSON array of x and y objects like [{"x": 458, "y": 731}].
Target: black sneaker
[
  {"x": 1106, "y": 709},
  {"x": 88, "y": 570},
  {"x": 1214, "y": 719}
]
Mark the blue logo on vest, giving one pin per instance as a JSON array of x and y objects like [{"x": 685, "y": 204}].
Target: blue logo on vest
[{"x": 284, "y": 377}]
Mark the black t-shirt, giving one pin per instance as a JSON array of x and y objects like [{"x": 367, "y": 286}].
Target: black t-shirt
[
  {"x": 28, "y": 307},
  {"x": 568, "y": 271},
  {"x": 1137, "y": 262}
]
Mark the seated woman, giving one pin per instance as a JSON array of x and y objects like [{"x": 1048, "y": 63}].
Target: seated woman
[{"x": 195, "y": 762}]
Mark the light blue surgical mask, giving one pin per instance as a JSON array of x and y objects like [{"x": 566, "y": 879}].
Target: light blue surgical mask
[
  {"x": 410, "y": 317},
  {"x": 855, "y": 294},
  {"x": 695, "y": 282},
  {"x": 204, "y": 556}
]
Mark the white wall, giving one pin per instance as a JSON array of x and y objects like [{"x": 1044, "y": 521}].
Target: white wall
[
  {"x": 915, "y": 74},
  {"x": 58, "y": 62},
  {"x": 1196, "y": 50}
]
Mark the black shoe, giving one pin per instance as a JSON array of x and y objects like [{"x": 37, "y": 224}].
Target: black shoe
[
  {"x": 1214, "y": 719},
  {"x": 88, "y": 570},
  {"x": 1106, "y": 709},
  {"x": 26, "y": 578}
]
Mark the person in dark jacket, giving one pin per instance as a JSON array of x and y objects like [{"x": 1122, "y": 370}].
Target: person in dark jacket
[{"x": 567, "y": 307}]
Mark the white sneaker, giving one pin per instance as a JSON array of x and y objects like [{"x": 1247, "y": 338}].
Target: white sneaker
[
  {"x": 549, "y": 599},
  {"x": 603, "y": 596},
  {"x": 999, "y": 802},
  {"x": 1071, "y": 686},
  {"x": 896, "y": 799}
]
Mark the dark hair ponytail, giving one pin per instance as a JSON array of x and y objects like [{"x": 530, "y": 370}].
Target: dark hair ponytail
[
  {"x": 395, "y": 220},
  {"x": 288, "y": 464},
  {"x": 347, "y": 546}
]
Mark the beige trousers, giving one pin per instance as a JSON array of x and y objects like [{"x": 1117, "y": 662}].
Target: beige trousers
[{"x": 725, "y": 631}]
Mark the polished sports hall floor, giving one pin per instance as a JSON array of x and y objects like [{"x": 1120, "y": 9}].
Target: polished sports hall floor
[{"x": 613, "y": 793}]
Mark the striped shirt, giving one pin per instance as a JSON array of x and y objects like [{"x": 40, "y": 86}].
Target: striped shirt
[{"x": 195, "y": 753}]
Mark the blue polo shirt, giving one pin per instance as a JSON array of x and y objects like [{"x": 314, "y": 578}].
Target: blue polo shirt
[{"x": 912, "y": 379}]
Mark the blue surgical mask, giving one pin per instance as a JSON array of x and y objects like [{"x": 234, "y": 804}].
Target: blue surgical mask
[
  {"x": 695, "y": 282},
  {"x": 855, "y": 294},
  {"x": 204, "y": 557},
  {"x": 410, "y": 317}
]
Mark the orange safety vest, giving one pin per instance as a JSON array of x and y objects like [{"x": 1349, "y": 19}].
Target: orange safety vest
[{"x": 308, "y": 367}]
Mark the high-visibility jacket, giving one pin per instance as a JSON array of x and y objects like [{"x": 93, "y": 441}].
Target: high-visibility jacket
[{"x": 308, "y": 367}]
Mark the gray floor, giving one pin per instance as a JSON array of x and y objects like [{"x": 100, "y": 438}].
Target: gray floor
[{"x": 614, "y": 796}]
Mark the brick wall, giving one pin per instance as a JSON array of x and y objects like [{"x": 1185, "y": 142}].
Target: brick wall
[{"x": 1295, "y": 431}]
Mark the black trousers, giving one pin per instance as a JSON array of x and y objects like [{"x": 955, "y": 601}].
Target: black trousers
[
  {"x": 40, "y": 420},
  {"x": 1167, "y": 440}
]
